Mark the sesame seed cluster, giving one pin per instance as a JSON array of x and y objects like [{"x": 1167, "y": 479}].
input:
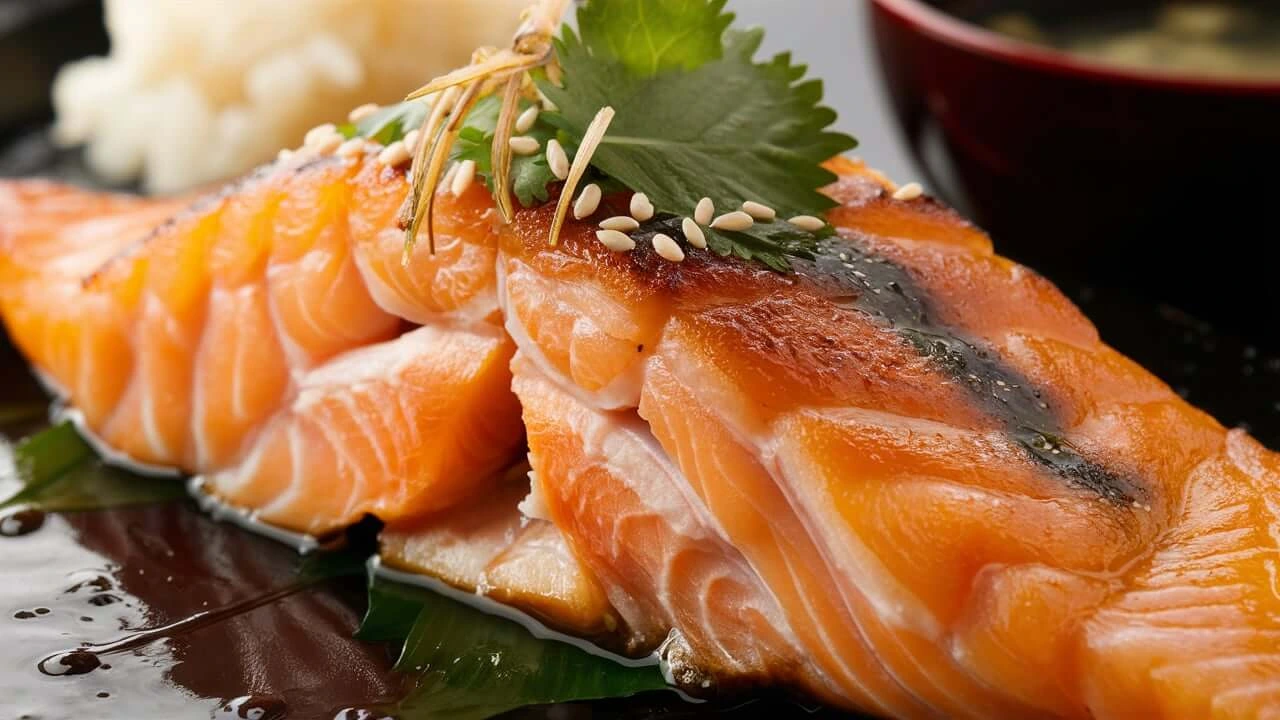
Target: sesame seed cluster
[{"x": 613, "y": 233}]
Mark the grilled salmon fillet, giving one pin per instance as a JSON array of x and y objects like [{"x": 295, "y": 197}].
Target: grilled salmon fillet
[
  {"x": 269, "y": 339},
  {"x": 906, "y": 478}
]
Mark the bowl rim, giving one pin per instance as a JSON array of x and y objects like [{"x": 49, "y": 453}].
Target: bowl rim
[{"x": 943, "y": 27}]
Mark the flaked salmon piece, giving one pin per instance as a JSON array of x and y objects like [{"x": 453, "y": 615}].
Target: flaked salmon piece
[
  {"x": 662, "y": 560},
  {"x": 491, "y": 548},
  {"x": 267, "y": 338},
  {"x": 960, "y": 501},
  {"x": 397, "y": 429}
]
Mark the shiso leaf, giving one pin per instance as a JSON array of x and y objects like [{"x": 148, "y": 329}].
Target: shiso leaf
[
  {"x": 729, "y": 128},
  {"x": 472, "y": 665},
  {"x": 650, "y": 36},
  {"x": 58, "y": 471}
]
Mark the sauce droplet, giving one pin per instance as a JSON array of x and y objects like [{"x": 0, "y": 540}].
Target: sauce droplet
[
  {"x": 20, "y": 521},
  {"x": 76, "y": 662}
]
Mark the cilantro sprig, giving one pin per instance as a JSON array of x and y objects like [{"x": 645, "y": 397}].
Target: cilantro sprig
[
  {"x": 530, "y": 174},
  {"x": 388, "y": 124}
]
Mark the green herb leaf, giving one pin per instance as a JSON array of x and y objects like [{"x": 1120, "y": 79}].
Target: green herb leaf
[
  {"x": 649, "y": 36},
  {"x": 58, "y": 471},
  {"x": 388, "y": 124},
  {"x": 322, "y": 565},
  {"x": 530, "y": 174},
  {"x": 730, "y": 129},
  {"x": 474, "y": 665},
  {"x": 393, "y": 609}
]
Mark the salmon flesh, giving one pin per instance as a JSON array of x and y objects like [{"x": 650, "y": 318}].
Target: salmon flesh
[{"x": 906, "y": 478}]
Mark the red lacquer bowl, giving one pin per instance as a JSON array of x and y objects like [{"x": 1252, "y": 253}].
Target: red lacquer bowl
[{"x": 1092, "y": 172}]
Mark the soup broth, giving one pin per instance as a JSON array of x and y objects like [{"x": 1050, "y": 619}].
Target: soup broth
[{"x": 1222, "y": 39}]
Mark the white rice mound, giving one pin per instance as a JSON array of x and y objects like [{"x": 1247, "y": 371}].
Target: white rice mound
[{"x": 196, "y": 91}]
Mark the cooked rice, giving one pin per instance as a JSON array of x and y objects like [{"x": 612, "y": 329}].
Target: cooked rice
[{"x": 202, "y": 90}]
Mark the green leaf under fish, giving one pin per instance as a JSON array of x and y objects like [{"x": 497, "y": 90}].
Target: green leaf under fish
[
  {"x": 58, "y": 471},
  {"x": 471, "y": 665},
  {"x": 466, "y": 663}
]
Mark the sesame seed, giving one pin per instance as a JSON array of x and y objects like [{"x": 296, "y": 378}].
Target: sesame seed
[
  {"x": 446, "y": 181},
  {"x": 668, "y": 248},
  {"x": 758, "y": 211},
  {"x": 582, "y": 159},
  {"x": 326, "y": 144},
  {"x": 808, "y": 222},
  {"x": 523, "y": 145},
  {"x": 910, "y": 191},
  {"x": 622, "y": 223},
  {"x": 557, "y": 159},
  {"x": 319, "y": 133},
  {"x": 525, "y": 122},
  {"x": 734, "y": 221},
  {"x": 693, "y": 233},
  {"x": 411, "y": 141},
  {"x": 362, "y": 112},
  {"x": 616, "y": 241},
  {"x": 587, "y": 202},
  {"x": 462, "y": 179},
  {"x": 394, "y": 154},
  {"x": 641, "y": 208},
  {"x": 351, "y": 147},
  {"x": 704, "y": 212}
]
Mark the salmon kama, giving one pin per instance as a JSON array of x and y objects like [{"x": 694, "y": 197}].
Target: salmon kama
[{"x": 906, "y": 478}]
